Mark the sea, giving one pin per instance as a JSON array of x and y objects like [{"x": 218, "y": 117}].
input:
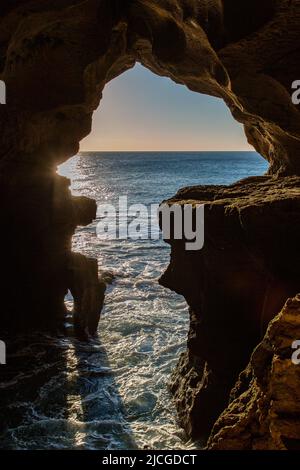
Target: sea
[{"x": 111, "y": 392}]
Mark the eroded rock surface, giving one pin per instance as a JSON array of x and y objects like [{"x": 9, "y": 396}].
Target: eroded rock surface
[
  {"x": 234, "y": 286},
  {"x": 264, "y": 410}
]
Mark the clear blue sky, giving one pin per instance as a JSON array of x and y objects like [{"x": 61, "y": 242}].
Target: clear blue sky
[{"x": 142, "y": 111}]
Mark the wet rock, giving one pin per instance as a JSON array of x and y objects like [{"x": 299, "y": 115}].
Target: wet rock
[{"x": 88, "y": 293}]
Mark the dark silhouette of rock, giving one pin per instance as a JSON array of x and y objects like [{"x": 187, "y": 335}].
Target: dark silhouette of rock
[
  {"x": 88, "y": 293},
  {"x": 234, "y": 286}
]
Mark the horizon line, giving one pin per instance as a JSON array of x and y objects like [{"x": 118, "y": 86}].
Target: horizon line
[{"x": 164, "y": 151}]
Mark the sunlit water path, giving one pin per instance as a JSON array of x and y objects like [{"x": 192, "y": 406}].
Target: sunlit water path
[{"x": 112, "y": 393}]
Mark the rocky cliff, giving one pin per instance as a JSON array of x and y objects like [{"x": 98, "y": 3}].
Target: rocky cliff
[
  {"x": 234, "y": 286},
  {"x": 264, "y": 408},
  {"x": 56, "y": 57}
]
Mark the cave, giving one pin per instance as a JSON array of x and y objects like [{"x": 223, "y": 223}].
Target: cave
[{"x": 56, "y": 57}]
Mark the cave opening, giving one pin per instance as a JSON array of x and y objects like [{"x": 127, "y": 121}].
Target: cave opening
[{"x": 150, "y": 137}]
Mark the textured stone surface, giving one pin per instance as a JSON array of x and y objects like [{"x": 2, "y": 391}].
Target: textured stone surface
[
  {"x": 234, "y": 286},
  {"x": 264, "y": 412}
]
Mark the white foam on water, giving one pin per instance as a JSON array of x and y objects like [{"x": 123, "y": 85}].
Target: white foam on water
[{"x": 112, "y": 392}]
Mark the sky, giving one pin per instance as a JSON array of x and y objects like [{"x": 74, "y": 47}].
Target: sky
[{"x": 141, "y": 111}]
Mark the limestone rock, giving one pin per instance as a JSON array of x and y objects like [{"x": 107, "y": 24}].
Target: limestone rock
[
  {"x": 234, "y": 286},
  {"x": 265, "y": 404}
]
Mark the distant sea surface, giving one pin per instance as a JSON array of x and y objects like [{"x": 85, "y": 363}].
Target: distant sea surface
[{"x": 112, "y": 393}]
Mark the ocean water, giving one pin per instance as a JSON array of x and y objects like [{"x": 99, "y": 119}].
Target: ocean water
[{"x": 112, "y": 392}]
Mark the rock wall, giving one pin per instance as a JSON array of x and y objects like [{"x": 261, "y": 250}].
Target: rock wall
[
  {"x": 264, "y": 412},
  {"x": 234, "y": 286},
  {"x": 56, "y": 57}
]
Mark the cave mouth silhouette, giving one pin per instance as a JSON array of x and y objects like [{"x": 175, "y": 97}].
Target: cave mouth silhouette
[
  {"x": 142, "y": 89},
  {"x": 142, "y": 111},
  {"x": 88, "y": 173}
]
